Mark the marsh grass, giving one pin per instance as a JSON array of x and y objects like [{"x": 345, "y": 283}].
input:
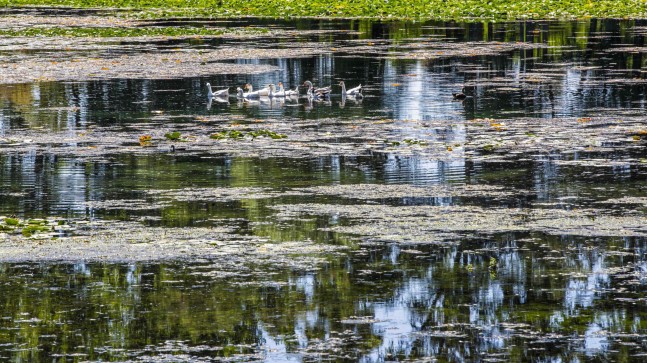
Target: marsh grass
[{"x": 381, "y": 9}]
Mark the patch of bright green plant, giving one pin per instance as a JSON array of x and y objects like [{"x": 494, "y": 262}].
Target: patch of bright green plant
[
  {"x": 31, "y": 229},
  {"x": 235, "y": 134},
  {"x": 175, "y": 135},
  {"x": 409, "y": 142},
  {"x": 414, "y": 142},
  {"x": 12, "y": 221},
  {"x": 268, "y": 133},
  {"x": 393, "y": 9}
]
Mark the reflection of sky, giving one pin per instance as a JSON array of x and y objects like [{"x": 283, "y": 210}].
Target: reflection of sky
[
  {"x": 418, "y": 93},
  {"x": 594, "y": 340},
  {"x": 581, "y": 292},
  {"x": 274, "y": 349}
]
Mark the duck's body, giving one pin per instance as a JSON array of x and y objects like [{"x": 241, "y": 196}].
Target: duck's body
[
  {"x": 272, "y": 91},
  {"x": 219, "y": 93},
  {"x": 294, "y": 92},
  {"x": 264, "y": 92},
  {"x": 356, "y": 91},
  {"x": 280, "y": 92},
  {"x": 249, "y": 95},
  {"x": 460, "y": 95},
  {"x": 322, "y": 92}
]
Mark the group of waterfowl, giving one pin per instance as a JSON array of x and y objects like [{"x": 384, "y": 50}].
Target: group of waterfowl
[{"x": 278, "y": 91}]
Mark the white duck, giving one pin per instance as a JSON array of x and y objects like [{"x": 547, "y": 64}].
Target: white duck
[
  {"x": 264, "y": 92},
  {"x": 280, "y": 92},
  {"x": 219, "y": 93},
  {"x": 272, "y": 92},
  {"x": 357, "y": 91},
  {"x": 322, "y": 92},
  {"x": 249, "y": 95},
  {"x": 290, "y": 92}
]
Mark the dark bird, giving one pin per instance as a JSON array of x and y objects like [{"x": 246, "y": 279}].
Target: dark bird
[{"x": 460, "y": 95}]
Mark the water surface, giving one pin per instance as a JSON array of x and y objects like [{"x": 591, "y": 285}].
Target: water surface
[{"x": 553, "y": 270}]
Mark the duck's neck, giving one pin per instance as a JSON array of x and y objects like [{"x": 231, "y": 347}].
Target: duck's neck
[
  {"x": 343, "y": 88},
  {"x": 210, "y": 92}
]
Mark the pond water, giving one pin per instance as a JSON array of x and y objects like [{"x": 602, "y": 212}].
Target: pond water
[{"x": 405, "y": 225}]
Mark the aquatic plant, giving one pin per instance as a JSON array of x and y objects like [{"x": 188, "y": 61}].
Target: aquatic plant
[
  {"x": 232, "y": 134},
  {"x": 399, "y": 9},
  {"x": 11, "y": 221},
  {"x": 36, "y": 228},
  {"x": 236, "y": 135},
  {"x": 175, "y": 135}
]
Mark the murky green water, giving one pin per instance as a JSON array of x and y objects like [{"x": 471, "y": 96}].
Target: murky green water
[{"x": 512, "y": 226}]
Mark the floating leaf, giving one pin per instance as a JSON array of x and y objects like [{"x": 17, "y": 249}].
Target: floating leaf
[{"x": 175, "y": 135}]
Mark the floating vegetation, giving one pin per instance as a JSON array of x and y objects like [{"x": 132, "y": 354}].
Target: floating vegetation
[
  {"x": 222, "y": 194},
  {"x": 401, "y": 9},
  {"x": 385, "y": 191},
  {"x": 127, "y": 204},
  {"x": 69, "y": 65},
  {"x": 236, "y": 134},
  {"x": 34, "y": 228},
  {"x": 175, "y": 135},
  {"x": 110, "y": 32},
  {"x": 102, "y": 240},
  {"x": 432, "y": 224},
  {"x": 483, "y": 142},
  {"x": 231, "y": 134}
]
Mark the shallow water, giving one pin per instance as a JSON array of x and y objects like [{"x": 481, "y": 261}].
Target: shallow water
[{"x": 512, "y": 226}]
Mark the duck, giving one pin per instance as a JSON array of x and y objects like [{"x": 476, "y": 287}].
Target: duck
[
  {"x": 292, "y": 92},
  {"x": 460, "y": 95},
  {"x": 322, "y": 92},
  {"x": 249, "y": 95},
  {"x": 272, "y": 92},
  {"x": 280, "y": 92},
  {"x": 219, "y": 93},
  {"x": 357, "y": 91},
  {"x": 264, "y": 92}
]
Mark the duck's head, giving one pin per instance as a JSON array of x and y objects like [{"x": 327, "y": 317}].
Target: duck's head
[
  {"x": 208, "y": 85},
  {"x": 307, "y": 83},
  {"x": 341, "y": 83}
]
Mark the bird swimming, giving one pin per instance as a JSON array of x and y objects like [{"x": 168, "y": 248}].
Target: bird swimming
[
  {"x": 356, "y": 91},
  {"x": 322, "y": 92},
  {"x": 219, "y": 93},
  {"x": 460, "y": 95}
]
